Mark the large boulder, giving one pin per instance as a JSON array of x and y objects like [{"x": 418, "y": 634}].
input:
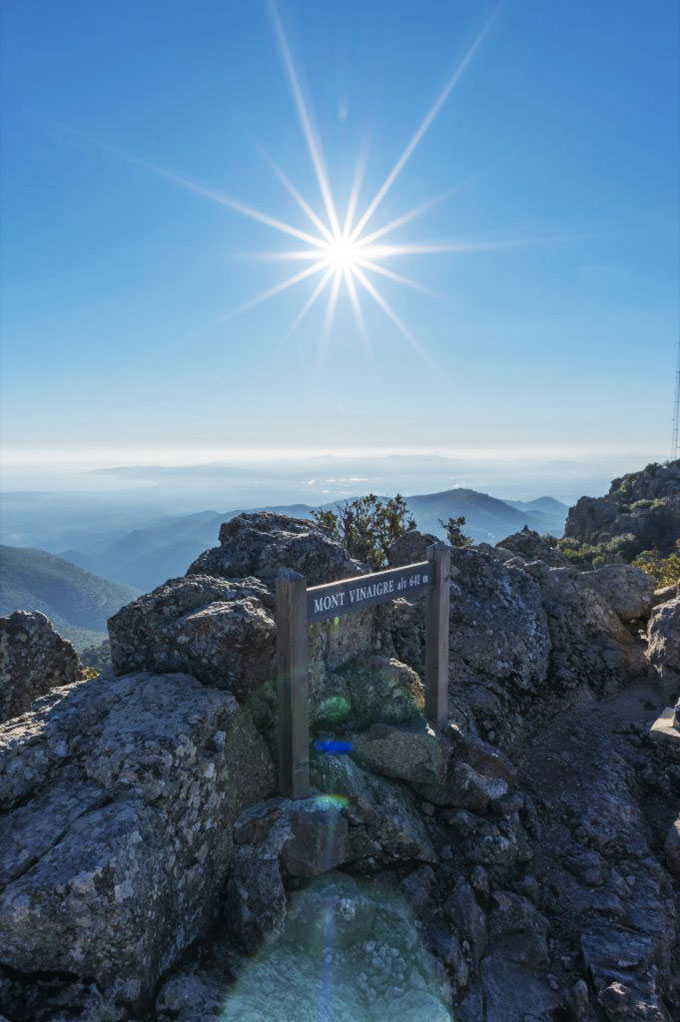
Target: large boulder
[
  {"x": 221, "y": 632},
  {"x": 262, "y": 543},
  {"x": 119, "y": 802},
  {"x": 224, "y": 634},
  {"x": 663, "y": 646},
  {"x": 628, "y": 591},
  {"x": 33, "y": 660}
]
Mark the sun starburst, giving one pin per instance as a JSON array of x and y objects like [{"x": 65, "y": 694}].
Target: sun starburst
[
  {"x": 346, "y": 255},
  {"x": 342, "y": 253}
]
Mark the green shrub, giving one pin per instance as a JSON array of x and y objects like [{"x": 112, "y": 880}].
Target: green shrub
[
  {"x": 367, "y": 526},
  {"x": 454, "y": 531},
  {"x": 618, "y": 550},
  {"x": 666, "y": 570}
]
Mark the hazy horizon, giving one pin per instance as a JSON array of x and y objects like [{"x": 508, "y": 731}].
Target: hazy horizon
[{"x": 315, "y": 476}]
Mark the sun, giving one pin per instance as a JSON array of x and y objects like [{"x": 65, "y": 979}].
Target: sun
[
  {"x": 345, "y": 251},
  {"x": 343, "y": 254}
]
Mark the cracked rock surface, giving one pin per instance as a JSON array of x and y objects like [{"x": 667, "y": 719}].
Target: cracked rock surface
[{"x": 119, "y": 803}]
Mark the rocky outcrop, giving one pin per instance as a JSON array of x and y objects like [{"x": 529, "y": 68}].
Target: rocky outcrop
[
  {"x": 628, "y": 591},
  {"x": 645, "y": 505},
  {"x": 532, "y": 547},
  {"x": 33, "y": 660},
  {"x": 262, "y": 543},
  {"x": 424, "y": 877},
  {"x": 523, "y": 633},
  {"x": 380, "y": 690},
  {"x": 589, "y": 643},
  {"x": 664, "y": 645},
  {"x": 120, "y": 800},
  {"x": 499, "y": 642}
]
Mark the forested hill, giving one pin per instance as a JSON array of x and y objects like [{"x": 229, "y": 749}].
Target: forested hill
[
  {"x": 77, "y": 602},
  {"x": 145, "y": 557}
]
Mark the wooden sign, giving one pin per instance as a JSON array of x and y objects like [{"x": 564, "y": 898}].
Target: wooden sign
[
  {"x": 338, "y": 598},
  {"x": 297, "y": 607}
]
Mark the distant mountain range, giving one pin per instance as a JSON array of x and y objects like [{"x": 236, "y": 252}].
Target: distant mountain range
[
  {"x": 145, "y": 557},
  {"x": 77, "y": 602}
]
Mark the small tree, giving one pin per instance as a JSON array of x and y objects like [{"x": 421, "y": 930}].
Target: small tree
[
  {"x": 454, "y": 531},
  {"x": 367, "y": 526}
]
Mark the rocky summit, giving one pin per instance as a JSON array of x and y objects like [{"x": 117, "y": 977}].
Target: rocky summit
[{"x": 520, "y": 863}]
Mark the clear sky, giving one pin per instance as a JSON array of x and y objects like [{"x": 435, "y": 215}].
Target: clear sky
[{"x": 560, "y": 136}]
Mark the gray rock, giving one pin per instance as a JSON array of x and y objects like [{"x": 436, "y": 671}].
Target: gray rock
[
  {"x": 645, "y": 505},
  {"x": 618, "y": 961},
  {"x": 481, "y": 756},
  {"x": 628, "y": 590},
  {"x": 384, "y": 825},
  {"x": 336, "y": 904},
  {"x": 382, "y": 690},
  {"x": 672, "y": 848},
  {"x": 447, "y": 948},
  {"x": 116, "y": 891},
  {"x": 465, "y": 915},
  {"x": 666, "y": 593},
  {"x": 589, "y": 644},
  {"x": 349, "y": 951},
  {"x": 512, "y": 991},
  {"x": 410, "y": 548},
  {"x": 427, "y": 760},
  {"x": 262, "y": 543},
  {"x": 499, "y": 643},
  {"x": 33, "y": 660},
  {"x": 418, "y": 888},
  {"x": 190, "y": 995},
  {"x": 463, "y": 788},
  {"x": 319, "y": 841},
  {"x": 663, "y": 648},
  {"x": 502, "y": 842},
  {"x": 517, "y": 930},
  {"x": 255, "y": 905},
  {"x": 218, "y": 631},
  {"x": 528, "y": 545},
  {"x": 415, "y": 753},
  {"x": 588, "y": 867}
]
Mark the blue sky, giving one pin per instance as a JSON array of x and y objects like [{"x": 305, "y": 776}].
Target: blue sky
[{"x": 561, "y": 133}]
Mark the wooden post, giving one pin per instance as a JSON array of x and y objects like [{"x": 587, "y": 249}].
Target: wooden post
[
  {"x": 437, "y": 636},
  {"x": 291, "y": 668}
]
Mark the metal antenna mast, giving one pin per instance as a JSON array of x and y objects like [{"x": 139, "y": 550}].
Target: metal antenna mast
[{"x": 676, "y": 410}]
